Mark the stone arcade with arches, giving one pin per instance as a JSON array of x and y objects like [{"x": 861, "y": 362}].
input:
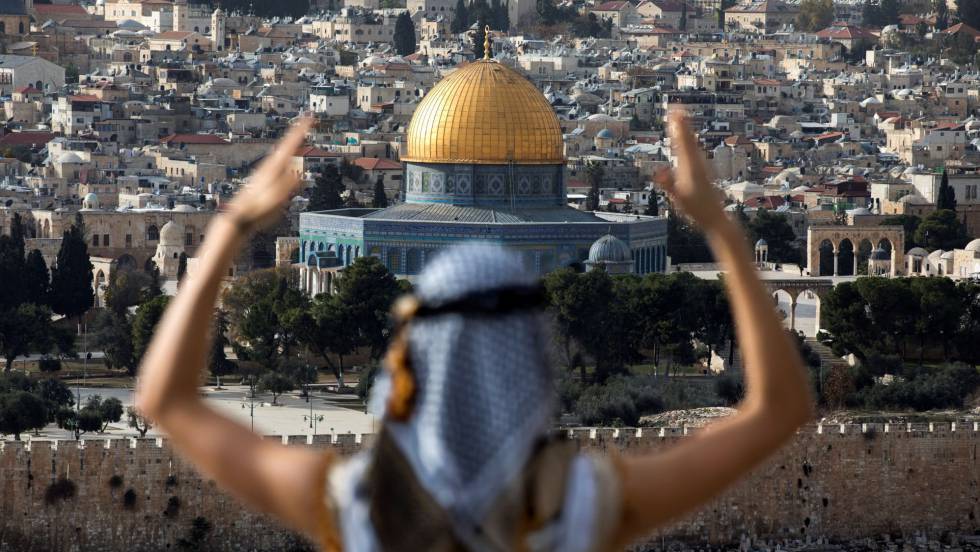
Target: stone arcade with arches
[
  {"x": 795, "y": 288},
  {"x": 835, "y": 250}
]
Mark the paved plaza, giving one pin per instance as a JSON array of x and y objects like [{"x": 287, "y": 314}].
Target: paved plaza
[{"x": 334, "y": 414}]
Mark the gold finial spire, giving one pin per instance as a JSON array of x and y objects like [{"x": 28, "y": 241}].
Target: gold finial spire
[{"x": 486, "y": 42}]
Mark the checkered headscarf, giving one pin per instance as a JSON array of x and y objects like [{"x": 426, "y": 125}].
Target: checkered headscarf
[{"x": 484, "y": 386}]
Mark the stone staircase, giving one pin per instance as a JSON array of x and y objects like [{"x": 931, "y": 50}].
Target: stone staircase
[{"x": 827, "y": 356}]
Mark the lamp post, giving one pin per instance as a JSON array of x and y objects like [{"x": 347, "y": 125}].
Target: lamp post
[
  {"x": 251, "y": 408},
  {"x": 313, "y": 421}
]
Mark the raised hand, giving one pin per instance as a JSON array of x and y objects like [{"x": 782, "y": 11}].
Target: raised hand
[
  {"x": 272, "y": 184},
  {"x": 689, "y": 185}
]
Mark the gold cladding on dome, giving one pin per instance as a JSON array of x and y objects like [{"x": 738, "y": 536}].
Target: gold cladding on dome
[{"x": 485, "y": 113}]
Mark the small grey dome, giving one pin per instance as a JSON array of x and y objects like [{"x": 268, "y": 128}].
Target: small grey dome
[
  {"x": 605, "y": 133},
  {"x": 610, "y": 249},
  {"x": 762, "y": 243}
]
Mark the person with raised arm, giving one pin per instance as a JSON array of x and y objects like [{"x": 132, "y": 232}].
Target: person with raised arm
[{"x": 465, "y": 459}]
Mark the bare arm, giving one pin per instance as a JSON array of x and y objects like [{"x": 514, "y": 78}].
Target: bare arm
[
  {"x": 286, "y": 482},
  {"x": 660, "y": 487}
]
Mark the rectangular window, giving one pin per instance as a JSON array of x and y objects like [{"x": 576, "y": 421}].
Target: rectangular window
[
  {"x": 105, "y": 240},
  {"x": 129, "y": 240},
  {"x": 95, "y": 240}
]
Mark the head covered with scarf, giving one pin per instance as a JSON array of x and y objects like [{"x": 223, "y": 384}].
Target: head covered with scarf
[{"x": 467, "y": 401}]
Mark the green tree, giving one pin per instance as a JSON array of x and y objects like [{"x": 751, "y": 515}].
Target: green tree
[
  {"x": 547, "y": 11},
  {"x": 909, "y": 223},
  {"x": 129, "y": 288},
  {"x": 137, "y": 421},
  {"x": 109, "y": 410},
  {"x": 145, "y": 321},
  {"x": 682, "y": 24},
  {"x": 106, "y": 411},
  {"x": 71, "y": 74},
  {"x": 968, "y": 333},
  {"x": 71, "y": 279},
  {"x": 776, "y": 230},
  {"x": 968, "y": 12},
  {"x": 585, "y": 315},
  {"x": 55, "y": 394},
  {"x": 25, "y": 329},
  {"x": 86, "y": 420},
  {"x": 268, "y": 325},
  {"x": 461, "y": 18},
  {"x": 218, "y": 363},
  {"x": 114, "y": 337},
  {"x": 941, "y": 9},
  {"x": 480, "y": 11},
  {"x": 21, "y": 411},
  {"x": 369, "y": 290},
  {"x": 939, "y": 311},
  {"x": 501, "y": 17},
  {"x": 593, "y": 174},
  {"x": 12, "y": 268},
  {"x": 329, "y": 330},
  {"x": 941, "y": 230},
  {"x": 946, "y": 198},
  {"x": 871, "y": 14},
  {"x": 404, "y": 38},
  {"x": 181, "y": 267},
  {"x": 380, "y": 200},
  {"x": 479, "y": 37},
  {"x": 37, "y": 279},
  {"x": 815, "y": 15},
  {"x": 326, "y": 190},
  {"x": 277, "y": 384},
  {"x": 889, "y": 12},
  {"x": 685, "y": 242},
  {"x": 870, "y": 316}
]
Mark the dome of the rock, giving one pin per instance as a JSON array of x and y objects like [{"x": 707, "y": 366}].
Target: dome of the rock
[{"x": 484, "y": 113}]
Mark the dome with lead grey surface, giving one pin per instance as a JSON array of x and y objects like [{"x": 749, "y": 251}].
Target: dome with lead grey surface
[{"x": 610, "y": 249}]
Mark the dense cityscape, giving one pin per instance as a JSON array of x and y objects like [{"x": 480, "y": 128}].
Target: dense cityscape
[{"x": 844, "y": 137}]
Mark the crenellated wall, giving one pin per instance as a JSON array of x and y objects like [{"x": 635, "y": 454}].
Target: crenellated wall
[{"x": 837, "y": 482}]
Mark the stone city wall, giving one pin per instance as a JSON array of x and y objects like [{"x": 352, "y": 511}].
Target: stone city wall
[{"x": 835, "y": 482}]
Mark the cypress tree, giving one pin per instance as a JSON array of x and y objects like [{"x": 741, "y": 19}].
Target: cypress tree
[
  {"x": 12, "y": 266},
  {"x": 461, "y": 19},
  {"x": 889, "y": 10},
  {"x": 380, "y": 200},
  {"x": 947, "y": 196},
  {"x": 37, "y": 279},
  {"x": 941, "y": 8},
  {"x": 404, "y": 38},
  {"x": 478, "y": 38},
  {"x": 683, "y": 22},
  {"x": 181, "y": 267},
  {"x": 499, "y": 17},
  {"x": 326, "y": 190},
  {"x": 71, "y": 279}
]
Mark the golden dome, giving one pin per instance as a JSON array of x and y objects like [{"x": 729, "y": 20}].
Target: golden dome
[{"x": 484, "y": 113}]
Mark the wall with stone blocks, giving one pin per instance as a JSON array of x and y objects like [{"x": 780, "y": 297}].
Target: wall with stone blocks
[{"x": 838, "y": 482}]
